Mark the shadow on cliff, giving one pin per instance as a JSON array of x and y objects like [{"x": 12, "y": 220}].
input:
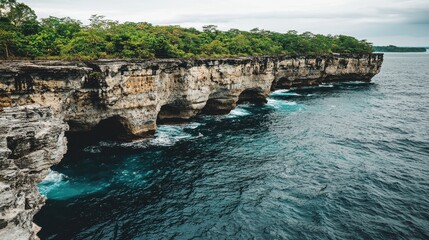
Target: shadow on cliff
[
  {"x": 116, "y": 128},
  {"x": 140, "y": 182}
]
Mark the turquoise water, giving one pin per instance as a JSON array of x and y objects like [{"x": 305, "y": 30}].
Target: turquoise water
[{"x": 348, "y": 161}]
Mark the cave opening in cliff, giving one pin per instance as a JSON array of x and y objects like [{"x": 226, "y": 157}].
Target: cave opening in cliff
[
  {"x": 171, "y": 113},
  {"x": 219, "y": 103},
  {"x": 252, "y": 95},
  {"x": 113, "y": 128},
  {"x": 281, "y": 83}
]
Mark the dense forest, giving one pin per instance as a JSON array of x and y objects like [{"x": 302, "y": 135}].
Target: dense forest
[
  {"x": 392, "y": 48},
  {"x": 24, "y": 36}
]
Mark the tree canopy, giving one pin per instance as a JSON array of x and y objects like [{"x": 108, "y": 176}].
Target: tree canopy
[{"x": 23, "y": 36}]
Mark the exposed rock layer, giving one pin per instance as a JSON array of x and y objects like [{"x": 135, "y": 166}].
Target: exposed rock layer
[
  {"x": 128, "y": 97},
  {"x": 31, "y": 140},
  {"x": 137, "y": 93}
]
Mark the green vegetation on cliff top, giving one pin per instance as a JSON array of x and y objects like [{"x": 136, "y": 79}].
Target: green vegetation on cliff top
[{"x": 22, "y": 35}]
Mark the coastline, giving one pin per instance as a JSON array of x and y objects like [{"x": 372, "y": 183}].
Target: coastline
[{"x": 128, "y": 97}]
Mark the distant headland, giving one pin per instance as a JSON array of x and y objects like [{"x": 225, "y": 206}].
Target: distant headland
[{"x": 392, "y": 48}]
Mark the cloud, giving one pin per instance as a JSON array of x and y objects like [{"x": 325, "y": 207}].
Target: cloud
[
  {"x": 189, "y": 18},
  {"x": 369, "y": 19}
]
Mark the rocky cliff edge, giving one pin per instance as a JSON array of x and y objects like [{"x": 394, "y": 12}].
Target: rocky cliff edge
[{"x": 41, "y": 100}]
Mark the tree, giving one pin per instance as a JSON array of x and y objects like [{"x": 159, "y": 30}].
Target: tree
[
  {"x": 22, "y": 35},
  {"x": 210, "y": 28},
  {"x": 17, "y": 13},
  {"x": 7, "y": 42}
]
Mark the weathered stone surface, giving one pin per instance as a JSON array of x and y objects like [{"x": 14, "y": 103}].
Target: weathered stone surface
[
  {"x": 137, "y": 93},
  {"x": 40, "y": 100},
  {"x": 31, "y": 140}
]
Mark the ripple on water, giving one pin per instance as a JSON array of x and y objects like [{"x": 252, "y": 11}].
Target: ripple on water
[
  {"x": 57, "y": 186},
  {"x": 358, "y": 170}
]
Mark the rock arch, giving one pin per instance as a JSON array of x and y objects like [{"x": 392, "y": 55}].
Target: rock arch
[
  {"x": 177, "y": 111},
  {"x": 252, "y": 95},
  {"x": 220, "y": 102},
  {"x": 169, "y": 113},
  {"x": 113, "y": 128}
]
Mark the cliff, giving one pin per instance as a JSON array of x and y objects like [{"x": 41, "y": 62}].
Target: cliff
[
  {"x": 40, "y": 100},
  {"x": 31, "y": 140},
  {"x": 134, "y": 94}
]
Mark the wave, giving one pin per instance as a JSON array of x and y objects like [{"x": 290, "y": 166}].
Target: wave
[
  {"x": 354, "y": 83},
  {"x": 326, "y": 85},
  {"x": 54, "y": 177},
  {"x": 281, "y": 104},
  {"x": 93, "y": 149},
  {"x": 283, "y": 93},
  {"x": 238, "y": 112},
  {"x": 51, "y": 182},
  {"x": 58, "y": 186},
  {"x": 165, "y": 135},
  {"x": 193, "y": 125},
  {"x": 168, "y": 135}
]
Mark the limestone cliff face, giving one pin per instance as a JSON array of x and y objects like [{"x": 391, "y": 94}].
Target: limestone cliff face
[
  {"x": 31, "y": 140},
  {"x": 135, "y": 94},
  {"x": 40, "y": 100}
]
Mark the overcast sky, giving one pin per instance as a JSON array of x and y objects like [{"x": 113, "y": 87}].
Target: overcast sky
[{"x": 383, "y": 22}]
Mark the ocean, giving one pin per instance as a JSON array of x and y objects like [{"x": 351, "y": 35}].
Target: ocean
[{"x": 341, "y": 161}]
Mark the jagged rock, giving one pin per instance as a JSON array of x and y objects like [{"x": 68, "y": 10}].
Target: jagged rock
[{"x": 31, "y": 140}]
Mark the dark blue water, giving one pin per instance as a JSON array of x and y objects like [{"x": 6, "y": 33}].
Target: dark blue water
[{"x": 346, "y": 161}]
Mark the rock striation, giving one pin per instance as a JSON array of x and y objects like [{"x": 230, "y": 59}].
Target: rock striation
[
  {"x": 41, "y": 100},
  {"x": 134, "y": 94},
  {"x": 31, "y": 140}
]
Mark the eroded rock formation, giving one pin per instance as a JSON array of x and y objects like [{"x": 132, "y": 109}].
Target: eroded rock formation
[
  {"x": 39, "y": 100},
  {"x": 135, "y": 94},
  {"x": 31, "y": 140}
]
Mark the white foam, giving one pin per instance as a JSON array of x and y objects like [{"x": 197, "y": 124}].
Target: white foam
[
  {"x": 291, "y": 103},
  {"x": 137, "y": 144},
  {"x": 92, "y": 149},
  {"x": 326, "y": 85},
  {"x": 58, "y": 186},
  {"x": 165, "y": 135},
  {"x": 193, "y": 125},
  {"x": 355, "y": 83},
  {"x": 238, "y": 112},
  {"x": 108, "y": 144},
  {"x": 278, "y": 93},
  {"x": 162, "y": 141},
  {"x": 168, "y": 135},
  {"x": 54, "y": 177},
  {"x": 280, "y": 103},
  {"x": 52, "y": 181}
]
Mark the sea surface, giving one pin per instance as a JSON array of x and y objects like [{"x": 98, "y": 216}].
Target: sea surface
[{"x": 346, "y": 161}]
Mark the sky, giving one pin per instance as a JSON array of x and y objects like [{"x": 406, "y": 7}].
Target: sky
[{"x": 382, "y": 22}]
